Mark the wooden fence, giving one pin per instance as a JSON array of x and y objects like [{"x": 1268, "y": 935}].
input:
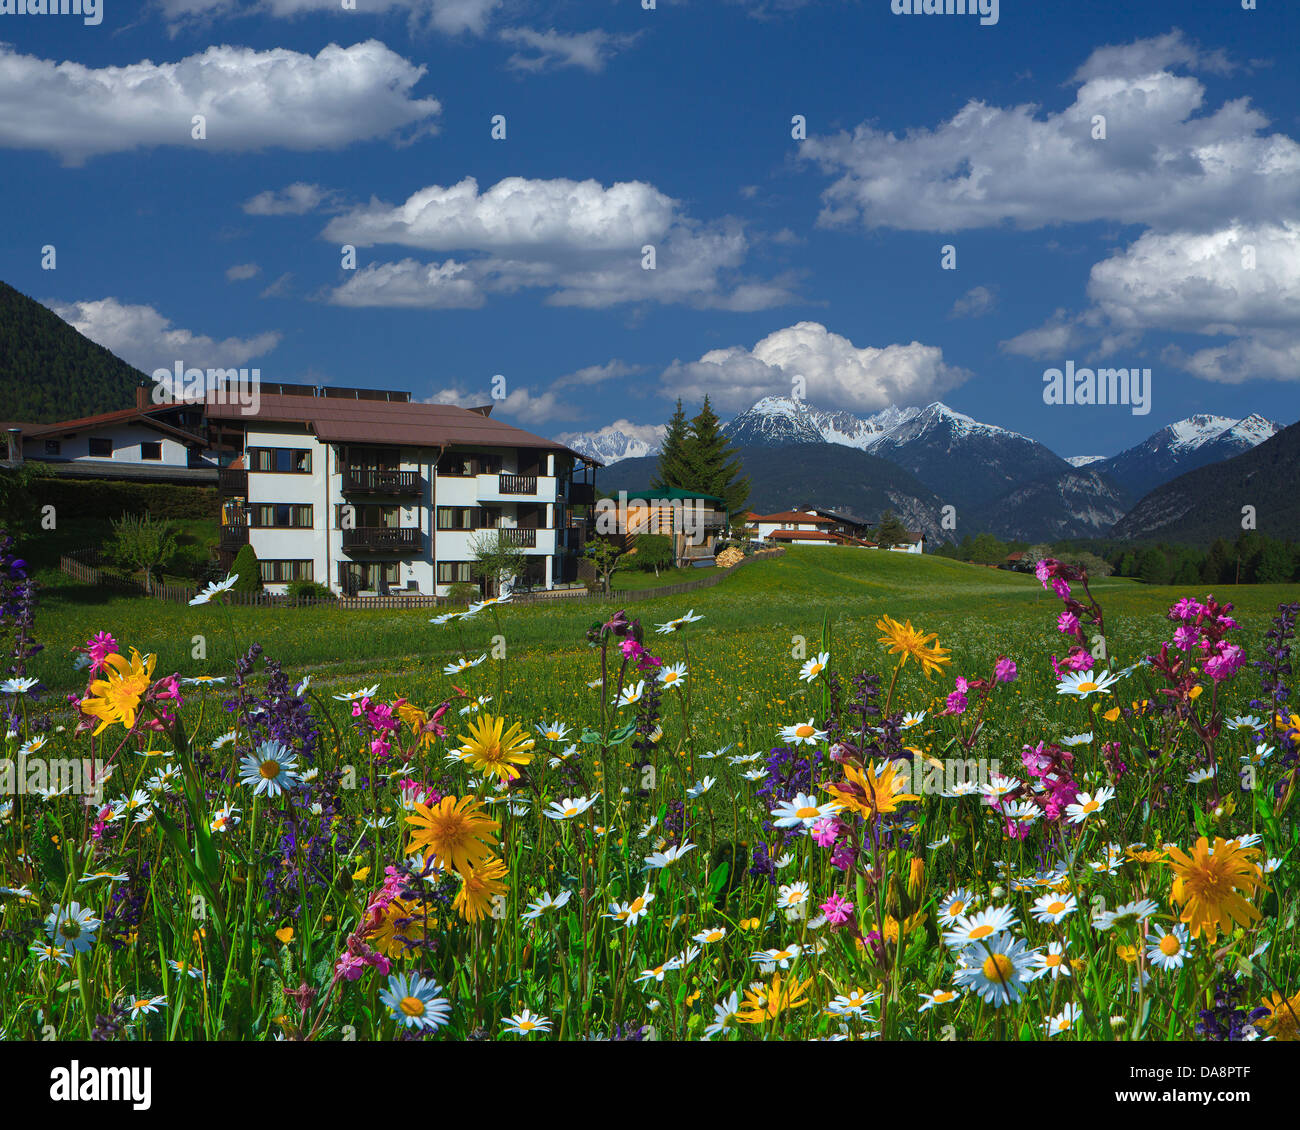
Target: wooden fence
[{"x": 89, "y": 574}]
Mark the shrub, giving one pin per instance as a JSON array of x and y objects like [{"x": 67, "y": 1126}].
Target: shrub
[
  {"x": 250, "y": 572},
  {"x": 309, "y": 590},
  {"x": 462, "y": 592}
]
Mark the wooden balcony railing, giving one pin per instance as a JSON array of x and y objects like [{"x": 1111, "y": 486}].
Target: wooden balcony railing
[
  {"x": 525, "y": 538},
  {"x": 233, "y": 535},
  {"x": 371, "y": 480},
  {"x": 233, "y": 482},
  {"x": 381, "y": 539},
  {"x": 517, "y": 484}
]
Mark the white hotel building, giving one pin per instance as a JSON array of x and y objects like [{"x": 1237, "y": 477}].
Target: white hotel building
[{"x": 367, "y": 492}]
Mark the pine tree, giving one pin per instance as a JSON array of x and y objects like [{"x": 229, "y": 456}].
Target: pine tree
[
  {"x": 712, "y": 465},
  {"x": 248, "y": 569},
  {"x": 892, "y": 532},
  {"x": 673, "y": 467}
]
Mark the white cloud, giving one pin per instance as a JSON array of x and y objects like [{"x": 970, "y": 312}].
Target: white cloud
[
  {"x": 144, "y": 338},
  {"x": 597, "y": 374},
  {"x": 1241, "y": 282},
  {"x": 251, "y": 100},
  {"x": 518, "y": 402},
  {"x": 296, "y": 199},
  {"x": 587, "y": 50},
  {"x": 242, "y": 272},
  {"x": 835, "y": 371},
  {"x": 1167, "y": 160},
  {"x": 975, "y": 303},
  {"x": 581, "y": 242}
]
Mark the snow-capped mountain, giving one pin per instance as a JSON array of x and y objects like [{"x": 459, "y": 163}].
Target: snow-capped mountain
[
  {"x": 774, "y": 422},
  {"x": 1083, "y": 460},
  {"x": 619, "y": 440},
  {"x": 1183, "y": 446}
]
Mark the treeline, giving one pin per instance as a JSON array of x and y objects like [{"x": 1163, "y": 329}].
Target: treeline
[
  {"x": 49, "y": 372},
  {"x": 1252, "y": 559}
]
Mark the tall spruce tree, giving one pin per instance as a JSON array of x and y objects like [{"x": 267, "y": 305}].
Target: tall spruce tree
[
  {"x": 713, "y": 466},
  {"x": 674, "y": 470}
]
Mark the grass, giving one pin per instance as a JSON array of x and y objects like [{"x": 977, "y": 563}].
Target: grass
[{"x": 284, "y": 889}]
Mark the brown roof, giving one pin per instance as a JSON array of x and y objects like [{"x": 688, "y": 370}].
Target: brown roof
[
  {"x": 107, "y": 419},
  {"x": 793, "y": 516},
  {"x": 391, "y": 423},
  {"x": 802, "y": 535}
]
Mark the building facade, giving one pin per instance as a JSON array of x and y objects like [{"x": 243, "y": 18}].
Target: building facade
[{"x": 384, "y": 496}]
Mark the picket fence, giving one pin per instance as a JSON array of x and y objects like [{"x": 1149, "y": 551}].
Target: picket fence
[{"x": 89, "y": 574}]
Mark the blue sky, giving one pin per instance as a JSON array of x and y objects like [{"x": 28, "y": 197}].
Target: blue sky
[{"x": 671, "y": 127}]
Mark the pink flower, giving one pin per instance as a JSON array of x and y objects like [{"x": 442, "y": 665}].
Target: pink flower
[
  {"x": 837, "y": 910},
  {"x": 1226, "y": 663},
  {"x": 956, "y": 703},
  {"x": 826, "y": 832},
  {"x": 1043, "y": 571},
  {"x": 1185, "y": 637},
  {"x": 1068, "y": 623},
  {"x": 1060, "y": 587},
  {"x": 99, "y": 647},
  {"x": 1005, "y": 671}
]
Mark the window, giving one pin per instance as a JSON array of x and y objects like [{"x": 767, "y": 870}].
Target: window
[
  {"x": 457, "y": 517},
  {"x": 278, "y": 572},
  {"x": 367, "y": 516},
  {"x": 355, "y": 577},
  {"x": 151, "y": 451},
  {"x": 281, "y": 460},
  {"x": 52, "y": 447},
  {"x": 454, "y": 572},
  {"x": 462, "y": 464},
  {"x": 281, "y": 515},
  {"x": 101, "y": 448}
]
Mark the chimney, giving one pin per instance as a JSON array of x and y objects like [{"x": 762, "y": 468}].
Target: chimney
[
  {"x": 141, "y": 396},
  {"x": 15, "y": 446}
]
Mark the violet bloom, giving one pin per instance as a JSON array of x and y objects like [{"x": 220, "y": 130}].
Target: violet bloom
[
  {"x": 1226, "y": 663},
  {"x": 1068, "y": 623},
  {"x": 826, "y": 832},
  {"x": 956, "y": 703},
  {"x": 1185, "y": 638},
  {"x": 1005, "y": 671},
  {"x": 837, "y": 910},
  {"x": 99, "y": 647}
]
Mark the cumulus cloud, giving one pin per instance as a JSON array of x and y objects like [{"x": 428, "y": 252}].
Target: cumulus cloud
[
  {"x": 251, "y": 100},
  {"x": 1167, "y": 160},
  {"x": 1241, "y": 283},
  {"x": 519, "y": 402},
  {"x": 543, "y": 50},
  {"x": 598, "y": 374},
  {"x": 295, "y": 199},
  {"x": 583, "y": 243},
  {"x": 143, "y": 337},
  {"x": 835, "y": 371},
  {"x": 242, "y": 272},
  {"x": 975, "y": 303}
]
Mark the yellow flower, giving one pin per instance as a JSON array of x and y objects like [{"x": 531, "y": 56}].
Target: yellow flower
[
  {"x": 116, "y": 697},
  {"x": 1111, "y": 714},
  {"x": 890, "y": 932},
  {"x": 360, "y": 876},
  {"x": 762, "y": 1005},
  {"x": 869, "y": 793},
  {"x": 487, "y": 750},
  {"x": 456, "y": 833},
  {"x": 1128, "y": 953},
  {"x": 479, "y": 889},
  {"x": 904, "y": 640},
  {"x": 417, "y": 719},
  {"x": 1207, "y": 883},
  {"x": 1283, "y": 1020},
  {"x": 285, "y": 935},
  {"x": 749, "y": 923},
  {"x": 400, "y": 928}
]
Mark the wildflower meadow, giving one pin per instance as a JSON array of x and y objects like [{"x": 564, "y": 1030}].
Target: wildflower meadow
[{"x": 888, "y": 838}]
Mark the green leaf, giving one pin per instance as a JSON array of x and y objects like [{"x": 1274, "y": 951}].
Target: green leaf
[{"x": 590, "y": 737}]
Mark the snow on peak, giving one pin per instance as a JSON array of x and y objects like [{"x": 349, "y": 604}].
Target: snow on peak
[
  {"x": 1196, "y": 431},
  {"x": 1083, "y": 460}
]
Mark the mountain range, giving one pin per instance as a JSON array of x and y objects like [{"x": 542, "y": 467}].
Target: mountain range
[{"x": 995, "y": 478}]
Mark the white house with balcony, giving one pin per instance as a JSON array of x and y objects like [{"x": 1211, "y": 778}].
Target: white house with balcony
[{"x": 366, "y": 492}]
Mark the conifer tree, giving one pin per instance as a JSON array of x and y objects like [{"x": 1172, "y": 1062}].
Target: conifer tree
[
  {"x": 712, "y": 464},
  {"x": 673, "y": 469}
]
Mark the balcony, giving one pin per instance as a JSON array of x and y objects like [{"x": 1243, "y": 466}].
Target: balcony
[
  {"x": 234, "y": 535},
  {"x": 233, "y": 482},
  {"x": 371, "y": 480},
  {"x": 381, "y": 539},
  {"x": 517, "y": 484},
  {"x": 525, "y": 538},
  {"x": 580, "y": 494}
]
